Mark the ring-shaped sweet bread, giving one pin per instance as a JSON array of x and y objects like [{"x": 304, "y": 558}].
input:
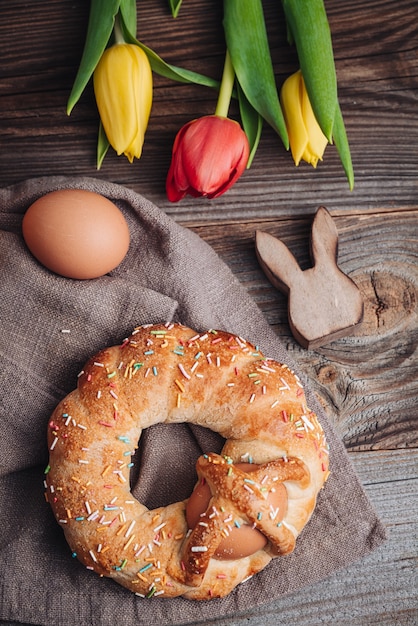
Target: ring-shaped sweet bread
[{"x": 169, "y": 373}]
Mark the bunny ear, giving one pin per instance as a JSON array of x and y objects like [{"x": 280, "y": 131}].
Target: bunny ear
[
  {"x": 276, "y": 260},
  {"x": 324, "y": 238}
]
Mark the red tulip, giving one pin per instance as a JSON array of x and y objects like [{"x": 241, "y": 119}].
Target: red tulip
[{"x": 209, "y": 155}]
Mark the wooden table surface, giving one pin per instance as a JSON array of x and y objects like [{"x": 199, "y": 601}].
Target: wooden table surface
[{"x": 368, "y": 381}]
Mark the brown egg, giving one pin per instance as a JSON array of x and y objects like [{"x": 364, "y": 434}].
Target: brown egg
[
  {"x": 241, "y": 541},
  {"x": 76, "y": 233}
]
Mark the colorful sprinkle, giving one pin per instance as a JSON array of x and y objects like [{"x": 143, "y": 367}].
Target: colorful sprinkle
[
  {"x": 199, "y": 548},
  {"x": 145, "y": 568},
  {"x": 180, "y": 385},
  {"x": 183, "y": 371}
]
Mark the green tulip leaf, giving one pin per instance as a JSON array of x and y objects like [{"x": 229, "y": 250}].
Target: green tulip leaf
[
  {"x": 159, "y": 66},
  {"x": 128, "y": 12},
  {"x": 252, "y": 123},
  {"x": 99, "y": 29},
  {"x": 343, "y": 148},
  {"x": 103, "y": 146},
  {"x": 246, "y": 39},
  {"x": 175, "y": 7},
  {"x": 309, "y": 29}
]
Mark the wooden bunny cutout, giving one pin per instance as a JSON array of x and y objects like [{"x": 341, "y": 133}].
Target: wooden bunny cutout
[{"x": 324, "y": 303}]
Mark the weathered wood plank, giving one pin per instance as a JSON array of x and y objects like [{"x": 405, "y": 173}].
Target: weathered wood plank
[
  {"x": 378, "y": 82},
  {"x": 368, "y": 381}
]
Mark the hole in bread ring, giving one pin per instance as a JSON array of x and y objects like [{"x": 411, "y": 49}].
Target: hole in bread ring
[{"x": 170, "y": 374}]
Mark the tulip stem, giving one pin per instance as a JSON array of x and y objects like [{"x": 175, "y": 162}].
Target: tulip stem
[
  {"x": 227, "y": 85},
  {"x": 117, "y": 31}
]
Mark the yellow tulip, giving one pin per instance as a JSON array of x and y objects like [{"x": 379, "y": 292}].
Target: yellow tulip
[
  {"x": 307, "y": 141},
  {"x": 123, "y": 90}
]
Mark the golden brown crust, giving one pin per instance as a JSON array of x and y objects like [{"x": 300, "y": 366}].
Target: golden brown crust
[{"x": 170, "y": 373}]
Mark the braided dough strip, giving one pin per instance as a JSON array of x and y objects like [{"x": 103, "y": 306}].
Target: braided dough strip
[
  {"x": 170, "y": 374},
  {"x": 226, "y": 484}
]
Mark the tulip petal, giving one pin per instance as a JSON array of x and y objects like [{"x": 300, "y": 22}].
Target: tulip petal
[
  {"x": 291, "y": 95},
  {"x": 221, "y": 155},
  {"x": 209, "y": 155},
  {"x": 317, "y": 141},
  {"x": 177, "y": 183},
  {"x": 114, "y": 96},
  {"x": 200, "y": 162},
  {"x": 142, "y": 88},
  {"x": 123, "y": 90}
]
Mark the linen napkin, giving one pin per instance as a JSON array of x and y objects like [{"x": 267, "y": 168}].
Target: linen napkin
[{"x": 49, "y": 327}]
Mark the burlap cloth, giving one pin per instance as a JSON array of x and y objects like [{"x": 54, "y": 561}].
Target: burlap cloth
[{"x": 49, "y": 326}]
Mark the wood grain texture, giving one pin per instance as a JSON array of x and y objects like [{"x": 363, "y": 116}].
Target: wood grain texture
[
  {"x": 376, "y": 51},
  {"x": 368, "y": 381}
]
